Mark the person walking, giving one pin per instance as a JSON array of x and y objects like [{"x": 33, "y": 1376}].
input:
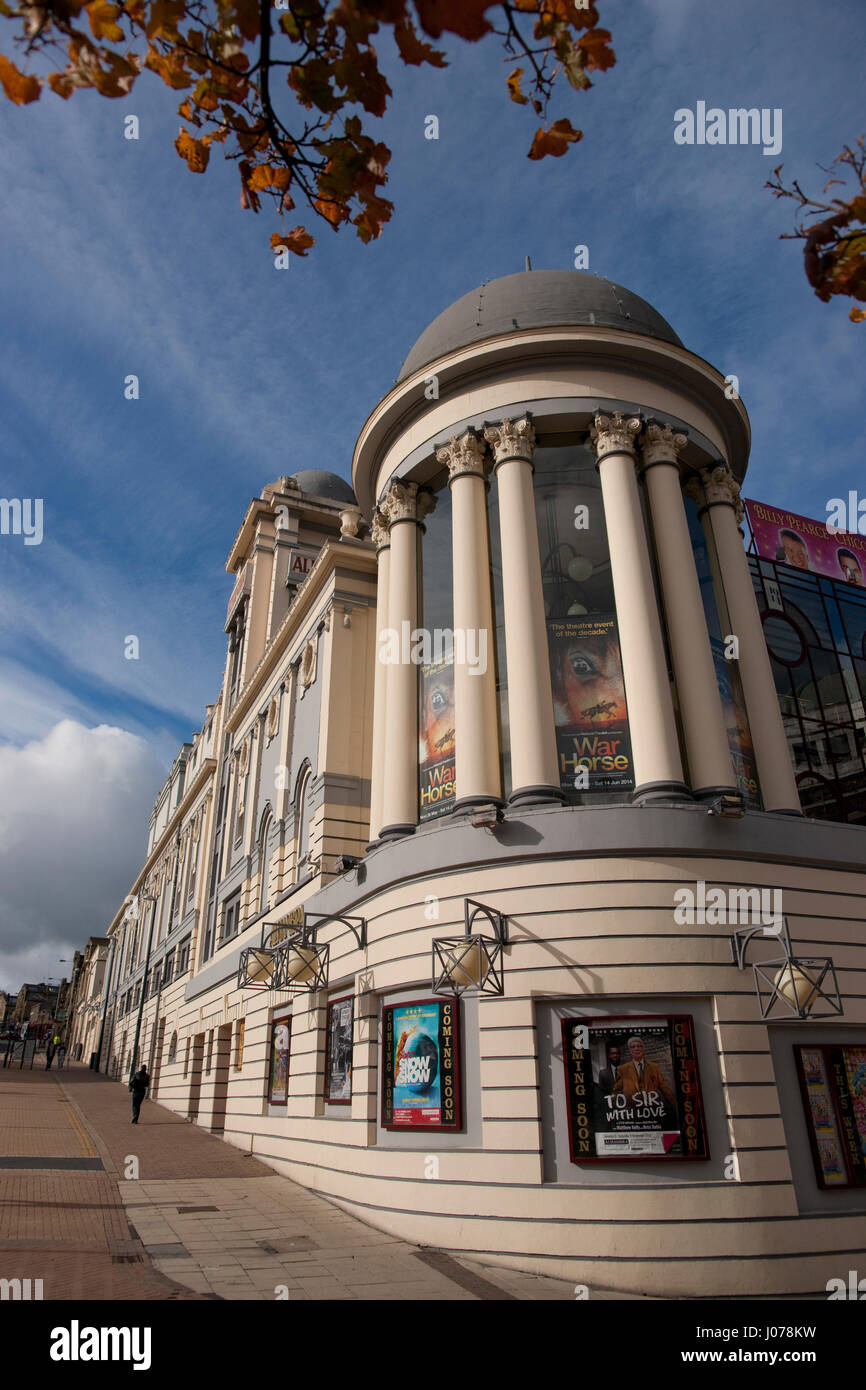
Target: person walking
[
  {"x": 49, "y": 1054},
  {"x": 139, "y": 1086}
]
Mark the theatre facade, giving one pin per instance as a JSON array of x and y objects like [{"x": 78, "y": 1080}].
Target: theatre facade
[{"x": 485, "y": 903}]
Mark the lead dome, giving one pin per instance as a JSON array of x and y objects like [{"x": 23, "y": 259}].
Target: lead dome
[{"x": 535, "y": 299}]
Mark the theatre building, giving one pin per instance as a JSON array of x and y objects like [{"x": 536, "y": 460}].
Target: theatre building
[{"x": 485, "y": 903}]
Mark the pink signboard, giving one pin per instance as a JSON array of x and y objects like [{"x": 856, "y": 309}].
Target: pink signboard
[{"x": 808, "y": 545}]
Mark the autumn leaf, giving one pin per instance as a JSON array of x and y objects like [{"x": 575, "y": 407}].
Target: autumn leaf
[
  {"x": 554, "y": 141},
  {"x": 857, "y": 315},
  {"x": 102, "y": 17},
  {"x": 164, "y": 17},
  {"x": 462, "y": 17},
  {"x": 195, "y": 152},
  {"x": 298, "y": 240},
  {"x": 18, "y": 86},
  {"x": 414, "y": 50},
  {"x": 327, "y": 56},
  {"x": 514, "y": 87},
  {"x": 594, "y": 45},
  {"x": 266, "y": 176}
]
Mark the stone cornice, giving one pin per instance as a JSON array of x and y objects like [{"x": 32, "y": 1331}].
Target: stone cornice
[{"x": 305, "y": 504}]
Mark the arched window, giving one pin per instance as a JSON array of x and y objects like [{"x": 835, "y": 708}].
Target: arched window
[
  {"x": 264, "y": 863},
  {"x": 302, "y": 820}
]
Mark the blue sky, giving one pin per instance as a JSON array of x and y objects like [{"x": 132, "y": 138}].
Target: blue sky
[{"x": 118, "y": 260}]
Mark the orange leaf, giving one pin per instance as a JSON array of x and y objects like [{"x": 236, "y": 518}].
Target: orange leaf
[
  {"x": 857, "y": 315},
  {"x": 598, "y": 55},
  {"x": 266, "y": 176},
  {"x": 195, "y": 152},
  {"x": 297, "y": 240},
  {"x": 333, "y": 212},
  {"x": 556, "y": 140},
  {"x": 413, "y": 50},
  {"x": 18, "y": 86},
  {"x": 514, "y": 87},
  {"x": 102, "y": 16},
  {"x": 62, "y": 84}
]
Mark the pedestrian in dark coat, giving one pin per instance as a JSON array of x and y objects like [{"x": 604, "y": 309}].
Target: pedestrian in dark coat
[{"x": 139, "y": 1086}]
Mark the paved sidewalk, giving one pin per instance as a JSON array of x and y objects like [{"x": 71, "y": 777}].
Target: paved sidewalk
[{"x": 201, "y": 1220}]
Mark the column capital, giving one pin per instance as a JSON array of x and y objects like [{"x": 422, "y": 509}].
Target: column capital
[
  {"x": 464, "y": 455},
  {"x": 613, "y": 434},
  {"x": 660, "y": 444},
  {"x": 511, "y": 439},
  {"x": 379, "y": 530},
  {"x": 405, "y": 502},
  {"x": 721, "y": 488}
]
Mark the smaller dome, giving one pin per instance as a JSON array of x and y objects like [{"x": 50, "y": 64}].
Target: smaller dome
[{"x": 318, "y": 482}]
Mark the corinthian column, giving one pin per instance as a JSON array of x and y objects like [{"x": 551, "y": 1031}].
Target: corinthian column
[
  {"x": 382, "y": 542},
  {"x": 722, "y": 511},
  {"x": 405, "y": 509},
  {"x": 475, "y": 715},
  {"x": 711, "y": 771},
  {"x": 658, "y": 767},
  {"x": 532, "y": 739}
]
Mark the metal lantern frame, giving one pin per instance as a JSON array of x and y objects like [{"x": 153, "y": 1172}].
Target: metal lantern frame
[
  {"x": 450, "y": 952},
  {"x": 278, "y": 941},
  {"x": 770, "y": 975}
]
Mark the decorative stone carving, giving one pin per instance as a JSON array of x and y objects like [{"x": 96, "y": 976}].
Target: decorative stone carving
[
  {"x": 661, "y": 445},
  {"x": 511, "y": 439},
  {"x": 350, "y": 521},
  {"x": 613, "y": 434},
  {"x": 406, "y": 502},
  {"x": 379, "y": 530},
  {"x": 243, "y": 758},
  {"x": 720, "y": 485},
  {"x": 273, "y": 718},
  {"x": 307, "y": 672},
  {"x": 463, "y": 455}
]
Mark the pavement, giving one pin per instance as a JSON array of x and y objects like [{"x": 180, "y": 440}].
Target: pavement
[{"x": 167, "y": 1211}]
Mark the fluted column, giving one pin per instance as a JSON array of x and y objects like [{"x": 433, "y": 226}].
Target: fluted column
[
  {"x": 722, "y": 511},
  {"x": 532, "y": 738},
  {"x": 658, "y": 767},
  {"x": 382, "y": 542},
  {"x": 405, "y": 509},
  {"x": 475, "y": 715},
  {"x": 711, "y": 771}
]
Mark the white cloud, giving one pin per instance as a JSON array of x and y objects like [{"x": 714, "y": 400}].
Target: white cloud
[{"x": 74, "y": 808}]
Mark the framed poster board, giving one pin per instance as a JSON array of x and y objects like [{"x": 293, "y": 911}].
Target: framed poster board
[
  {"x": 633, "y": 1090},
  {"x": 281, "y": 1036},
  {"x": 421, "y": 1065},
  {"x": 833, "y": 1086},
  {"x": 338, "y": 1051}
]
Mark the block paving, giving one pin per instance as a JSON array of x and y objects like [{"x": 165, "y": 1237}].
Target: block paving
[{"x": 201, "y": 1220}]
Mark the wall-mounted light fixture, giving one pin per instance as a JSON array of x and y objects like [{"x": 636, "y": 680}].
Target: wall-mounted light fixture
[
  {"x": 730, "y": 806},
  {"x": 290, "y": 958},
  {"x": 471, "y": 964},
  {"x": 798, "y": 983}
]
